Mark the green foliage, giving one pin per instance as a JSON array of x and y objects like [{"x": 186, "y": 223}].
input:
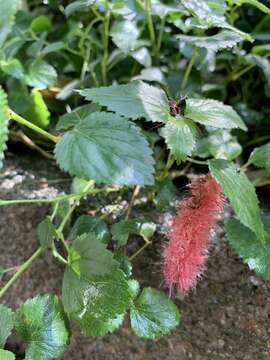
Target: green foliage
[
  {"x": 40, "y": 74},
  {"x": 134, "y": 100},
  {"x": 78, "y": 6},
  {"x": 88, "y": 257},
  {"x": 260, "y": 156},
  {"x": 96, "y": 302},
  {"x": 8, "y": 10},
  {"x": 213, "y": 113},
  {"x": 249, "y": 247},
  {"x": 222, "y": 40},
  {"x": 87, "y": 224},
  {"x": 180, "y": 136},
  {"x": 74, "y": 117},
  {"x": 6, "y": 321},
  {"x": 108, "y": 149},
  {"x": 122, "y": 230},
  {"x": 46, "y": 232},
  {"x": 241, "y": 194},
  {"x": 6, "y": 355},
  {"x": 39, "y": 113},
  {"x": 125, "y": 35},
  {"x": 41, "y": 323},
  {"x": 153, "y": 314}
]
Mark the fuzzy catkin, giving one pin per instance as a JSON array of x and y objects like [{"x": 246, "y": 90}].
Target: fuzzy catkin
[{"x": 186, "y": 252}]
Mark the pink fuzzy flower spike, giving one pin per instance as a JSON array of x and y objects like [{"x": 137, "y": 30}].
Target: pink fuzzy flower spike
[{"x": 186, "y": 253}]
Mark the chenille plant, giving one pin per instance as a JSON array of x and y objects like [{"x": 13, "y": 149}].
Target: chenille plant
[{"x": 125, "y": 95}]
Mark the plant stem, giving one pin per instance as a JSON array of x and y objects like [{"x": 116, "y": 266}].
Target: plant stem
[
  {"x": 57, "y": 255},
  {"x": 56, "y": 199},
  {"x": 28, "y": 142},
  {"x": 258, "y": 140},
  {"x": 200, "y": 162},
  {"x": 134, "y": 195},
  {"x": 105, "y": 45},
  {"x": 160, "y": 35},
  {"x": 146, "y": 244},
  {"x": 12, "y": 115},
  {"x": 188, "y": 69},
  {"x": 66, "y": 218},
  {"x": 20, "y": 271},
  {"x": 148, "y": 15}
]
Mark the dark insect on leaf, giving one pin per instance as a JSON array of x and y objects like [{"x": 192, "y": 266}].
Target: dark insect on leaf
[{"x": 178, "y": 107}]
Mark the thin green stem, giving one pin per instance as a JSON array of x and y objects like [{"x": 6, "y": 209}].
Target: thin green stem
[
  {"x": 258, "y": 140},
  {"x": 245, "y": 166},
  {"x": 57, "y": 255},
  {"x": 161, "y": 32},
  {"x": 104, "y": 62},
  {"x": 148, "y": 15},
  {"x": 67, "y": 217},
  {"x": 56, "y": 199},
  {"x": 12, "y": 115},
  {"x": 146, "y": 244},
  {"x": 188, "y": 69},
  {"x": 200, "y": 162},
  {"x": 20, "y": 271},
  {"x": 131, "y": 204}
]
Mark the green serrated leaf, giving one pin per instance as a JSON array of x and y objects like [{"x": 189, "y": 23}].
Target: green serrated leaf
[
  {"x": 41, "y": 323},
  {"x": 74, "y": 117},
  {"x": 222, "y": 145},
  {"x": 164, "y": 191},
  {"x": 260, "y": 156},
  {"x": 153, "y": 314},
  {"x": 46, "y": 232},
  {"x": 208, "y": 16},
  {"x": 94, "y": 304},
  {"x": 12, "y": 67},
  {"x": 8, "y": 10},
  {"x": 249, "y": 247},
  {"x": 122, "y": 230},
  {"x": 89, "y": 257},
  {"x": 40, "y": 75},
  {"x": 213, "y": 113},
  {"x": 241, "y": 193},
  {"x": 79, "y": 5},
  {"x": 3, "y": 124},
  {"x": 125, "y": 35},
  {"x": 89, "y": 224},
  {"x": 143, "y": 56},
  {"x": 180, "y": 137},
  {"x": 134, "y": 100},
  {"x": 6, "y": 355},
  {"x": 6, "y": 321},
  {"x": 123, "y": 261},
  {"x": 222, "y": 40},
  {"x": 108, "y": 149}
]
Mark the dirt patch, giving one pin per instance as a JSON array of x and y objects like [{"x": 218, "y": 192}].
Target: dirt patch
[{"x": 227, "y": 317}]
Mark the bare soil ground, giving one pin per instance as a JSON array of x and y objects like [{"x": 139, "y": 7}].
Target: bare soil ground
[{"x": 227, "y": 317}]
